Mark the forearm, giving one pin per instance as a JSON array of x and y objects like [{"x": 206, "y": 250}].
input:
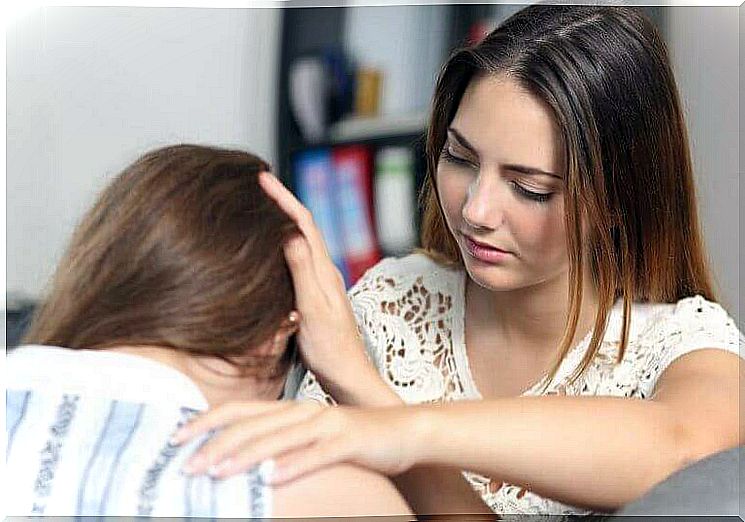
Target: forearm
[
  {"x": 600, "y": 455},
  {"x": 428, "y": 490}
]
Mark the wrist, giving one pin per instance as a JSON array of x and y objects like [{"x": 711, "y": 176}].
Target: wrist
[
  {"x": 422, "y": 429},
  {"x": 359, "y": 384}
]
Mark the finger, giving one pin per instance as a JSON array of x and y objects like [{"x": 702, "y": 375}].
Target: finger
[
  {"x": 302, "y": 217},
  {"x": 297, "y": 463},
  {"x": 271, "y": 446},
  {"x": 312, "y": 284},
  {"x": 222, "y": 415},
  {"x": 243, "y": 434},
  {"x": 308, "y": 291}
]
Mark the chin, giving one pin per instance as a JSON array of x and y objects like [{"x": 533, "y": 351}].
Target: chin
[{"x": 496, "y": 278}]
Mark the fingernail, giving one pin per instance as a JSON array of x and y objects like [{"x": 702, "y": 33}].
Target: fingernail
[{"x": 267, "y": 176}]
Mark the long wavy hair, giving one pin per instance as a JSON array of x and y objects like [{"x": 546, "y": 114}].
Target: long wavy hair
[{"x": 606, "y": 75}]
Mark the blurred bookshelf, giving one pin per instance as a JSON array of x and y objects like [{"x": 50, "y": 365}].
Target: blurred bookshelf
[
  {"x": 371, "y": 127},
  {"x": 354, "y": 90}
]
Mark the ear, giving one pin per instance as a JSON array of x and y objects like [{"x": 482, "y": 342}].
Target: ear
[
  {"x": 287, "y": 329},
  {"x": 290, "y": 325}
]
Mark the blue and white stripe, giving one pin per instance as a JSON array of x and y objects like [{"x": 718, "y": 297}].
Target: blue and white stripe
[{"x": 103, "y": 457}]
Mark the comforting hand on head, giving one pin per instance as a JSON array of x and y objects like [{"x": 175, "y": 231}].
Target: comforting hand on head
[
  {"x": 306, "y": 435},
  {"x": 330, "y": 343},
  {"x": 560, "y": 293}
]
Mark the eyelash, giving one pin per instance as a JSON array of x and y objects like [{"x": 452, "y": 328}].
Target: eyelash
[{"x": 537, "y": 197}]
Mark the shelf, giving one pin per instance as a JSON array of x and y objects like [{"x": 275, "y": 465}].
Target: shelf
[{"x": 368, "y": 128}]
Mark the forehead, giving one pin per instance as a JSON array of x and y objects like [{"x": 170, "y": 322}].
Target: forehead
[{"x": 506, "y": 123}]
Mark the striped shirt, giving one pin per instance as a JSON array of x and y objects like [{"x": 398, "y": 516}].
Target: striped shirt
[{"x": 88, "y": 435}]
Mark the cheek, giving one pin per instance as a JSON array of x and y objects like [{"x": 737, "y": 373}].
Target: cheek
[
  {"x": 543, "y": 235},
  {"x": 453, "y": 189}
]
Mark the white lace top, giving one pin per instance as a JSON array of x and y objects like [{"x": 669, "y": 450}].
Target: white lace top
[{"x": 411, "y": 312}]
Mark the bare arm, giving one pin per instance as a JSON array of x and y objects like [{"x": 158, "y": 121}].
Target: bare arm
[
  {"x": 428, "y": 489},
  {"x": 332, "y": 348},
  {"x": 590, "y": 451},
  {"x": 340, "y": 491},
  {"x": 595, "y": 452}
]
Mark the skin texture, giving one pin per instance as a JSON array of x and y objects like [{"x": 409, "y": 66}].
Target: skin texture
[
  {"x": 340, "y": 491},
  {"x": 553, "y": 462},
  {"x": 501, "y": 183},
  {"x": 498, "y": 132},
  {"x": 554, "y": 446}
]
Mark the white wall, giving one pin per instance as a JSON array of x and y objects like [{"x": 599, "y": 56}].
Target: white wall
[
  {"x": 407, "y": 43},
  {"x": 90, "y": 89},
  {"x": 704, "y": 44}
]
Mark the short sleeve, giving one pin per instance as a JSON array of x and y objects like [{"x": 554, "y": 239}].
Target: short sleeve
[{"x": 694, "y": 324}]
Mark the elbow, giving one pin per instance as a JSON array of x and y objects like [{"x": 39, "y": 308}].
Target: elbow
[
  {"x": 680, "y": 447},
  {"x": 689, "y": 442}
]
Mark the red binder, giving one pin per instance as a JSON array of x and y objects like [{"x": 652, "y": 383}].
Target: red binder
[{"x": 353, "y": 168}]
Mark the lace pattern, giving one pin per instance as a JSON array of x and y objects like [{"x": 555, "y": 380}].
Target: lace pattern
[
  {"x": 407, "y": 318},
  {"x": 410, "y": 312}
]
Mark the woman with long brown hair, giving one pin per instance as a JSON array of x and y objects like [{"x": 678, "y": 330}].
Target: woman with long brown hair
[
  {"x": 562, "y": 281},
  {"x": 173, "y": 296}
]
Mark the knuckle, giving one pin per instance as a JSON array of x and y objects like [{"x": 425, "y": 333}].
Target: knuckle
[
  {"x": 305, "y": 216},
  {"x": 293, "y": 251}
]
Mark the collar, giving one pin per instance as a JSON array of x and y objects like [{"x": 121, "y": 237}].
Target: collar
[{"x": 114, "y": 375}]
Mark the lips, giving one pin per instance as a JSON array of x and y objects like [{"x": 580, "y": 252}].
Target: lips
[
  {"x": 483, "y": 245},
  {"x": 484, "y": 252}
]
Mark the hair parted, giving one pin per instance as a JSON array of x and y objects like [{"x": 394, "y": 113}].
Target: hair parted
[{"x": 605, "y": 73}]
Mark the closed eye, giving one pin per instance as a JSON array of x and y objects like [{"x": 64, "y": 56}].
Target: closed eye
[
  {"x": 539, "y": 197},
  {"x": 449, "y": 157}
]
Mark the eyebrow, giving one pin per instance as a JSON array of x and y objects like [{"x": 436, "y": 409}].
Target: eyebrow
[{"x": 523, "y": 169}]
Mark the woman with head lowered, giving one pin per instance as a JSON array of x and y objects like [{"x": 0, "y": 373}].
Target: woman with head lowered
[
  {"x": 561, "y": 305},
  {"x": 174, "y": 296}
]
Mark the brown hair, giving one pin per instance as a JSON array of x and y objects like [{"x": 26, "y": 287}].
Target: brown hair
[
  {"x": 182, "y": 250},
  {"x": 605, "y": 73}
]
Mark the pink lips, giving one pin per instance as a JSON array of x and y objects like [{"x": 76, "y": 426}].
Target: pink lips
[{"x": 485, "y": 253}]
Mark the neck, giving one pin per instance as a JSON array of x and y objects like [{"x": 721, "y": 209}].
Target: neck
[
  {"x": 218, "y": 380},
  {"x": 533, "y": 317}
]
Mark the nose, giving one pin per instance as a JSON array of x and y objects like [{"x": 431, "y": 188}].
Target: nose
[{"x": 483, "y": 209}]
